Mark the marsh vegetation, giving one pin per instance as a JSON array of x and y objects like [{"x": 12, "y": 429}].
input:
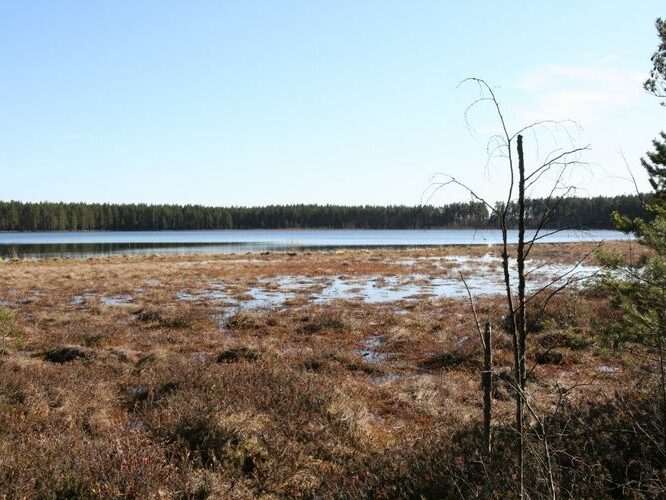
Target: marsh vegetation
[{"x": 242, "y": 376}]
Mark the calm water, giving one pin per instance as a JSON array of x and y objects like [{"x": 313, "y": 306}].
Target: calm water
[{"x": 93, "y": 243}]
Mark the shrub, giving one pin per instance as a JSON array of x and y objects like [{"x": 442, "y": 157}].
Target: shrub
[
  {"x": 168, "y": 317},
  {"x": 7, "y": 322},
  {"x": 65, "y": 354},
  {"x": 238, "y": 354},
  {"x": 452, "y": 359}
]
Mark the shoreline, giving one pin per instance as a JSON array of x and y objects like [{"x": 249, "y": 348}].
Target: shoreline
[{"x": 153, "y": 251}]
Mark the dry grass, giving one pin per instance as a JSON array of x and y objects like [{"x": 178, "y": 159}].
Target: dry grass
[{"x": 153, "y": 396}]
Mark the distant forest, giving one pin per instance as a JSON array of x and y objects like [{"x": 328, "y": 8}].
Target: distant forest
[{"x": 583, "y": 213}]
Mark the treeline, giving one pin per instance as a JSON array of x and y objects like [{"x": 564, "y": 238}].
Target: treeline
[
  {"x": 576, "y": 212},
  {"x": 588, "y": 213},
  {"x": 44, "y": 216}
]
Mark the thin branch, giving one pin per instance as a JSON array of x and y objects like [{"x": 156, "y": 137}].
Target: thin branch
[
  {"x": 436, "y": 186},
  {"x": 476, "y": 316}
]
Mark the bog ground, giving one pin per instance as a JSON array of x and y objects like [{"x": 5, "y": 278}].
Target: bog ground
[{"x": 348, "y": 373}]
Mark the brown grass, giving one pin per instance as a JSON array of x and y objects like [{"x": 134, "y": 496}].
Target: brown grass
[{"x": 163, "y": 397}]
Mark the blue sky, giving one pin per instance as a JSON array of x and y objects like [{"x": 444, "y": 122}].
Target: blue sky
[{"x": 352, "y": 102}]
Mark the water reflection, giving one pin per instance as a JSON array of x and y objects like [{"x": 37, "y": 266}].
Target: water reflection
[
  {"x": 84, "y": 250},
  {"x": 90, "y": 244}
]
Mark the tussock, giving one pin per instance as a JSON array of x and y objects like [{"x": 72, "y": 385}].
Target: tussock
[{"x": 174, "y": 399}]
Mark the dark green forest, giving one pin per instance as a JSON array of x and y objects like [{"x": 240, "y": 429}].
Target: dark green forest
[{"x": 584, "y": 213}]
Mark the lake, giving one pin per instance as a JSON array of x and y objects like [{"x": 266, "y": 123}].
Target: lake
[{"x": 94, "y": 243}]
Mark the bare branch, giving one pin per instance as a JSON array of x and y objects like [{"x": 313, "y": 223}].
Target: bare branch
[
  {"x": 476, "y": 316},
  {"x": 436, "y": 186}
]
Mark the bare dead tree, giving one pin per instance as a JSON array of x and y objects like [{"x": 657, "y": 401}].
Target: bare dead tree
[
  {"x": 486, "y": 372},
  {"x": 487, "y": 383},
  {"x": 559, "y": 162}
]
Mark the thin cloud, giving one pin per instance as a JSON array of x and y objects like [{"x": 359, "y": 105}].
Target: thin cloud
[{"x": 586, "y": 94}]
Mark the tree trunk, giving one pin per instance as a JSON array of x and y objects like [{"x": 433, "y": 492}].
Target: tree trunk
[
  {"x": 516, "y": 356},
  {"x": 487, "y": 383},
  {"x": 519, "y": 322}
]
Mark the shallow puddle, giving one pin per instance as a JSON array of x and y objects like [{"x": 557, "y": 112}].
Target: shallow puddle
[
  {"x": 367, "y": 290},
  {"x": 483, "y": 275},
  {"x": 111, "y": 300},
  {"x": 369, "y": 351},
  {"x": 391, "y": 377},
  {"x": 116, "y": 300}
]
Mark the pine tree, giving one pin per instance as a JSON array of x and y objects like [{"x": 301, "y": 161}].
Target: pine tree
[
  {"x": 641, "y": 293},
  {"x": 656, "y": 84},
  {"x": 655, "y": 165}
]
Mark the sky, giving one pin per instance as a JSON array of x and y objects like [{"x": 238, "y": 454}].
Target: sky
[{"x": 344, "y": 102}]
